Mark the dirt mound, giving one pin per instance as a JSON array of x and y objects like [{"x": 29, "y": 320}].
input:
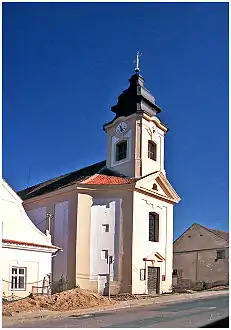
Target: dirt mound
[{"x": 66, "y": 300}]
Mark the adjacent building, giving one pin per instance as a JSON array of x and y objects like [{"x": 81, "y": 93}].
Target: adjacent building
[
  {"x": 119, "y": 210},
  {"x": 201, "y": 255},
  {"x": 26, "y": 252}
]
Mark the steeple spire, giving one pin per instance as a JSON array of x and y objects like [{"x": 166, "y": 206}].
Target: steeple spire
[
  {"x": 138, "y": 54},
  {"x": 136, "y": 98}
]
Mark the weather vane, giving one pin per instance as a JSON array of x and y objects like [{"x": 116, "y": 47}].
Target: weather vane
[{"x": 138, "y": 54}]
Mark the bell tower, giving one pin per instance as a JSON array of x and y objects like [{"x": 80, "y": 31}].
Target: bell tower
[{"x": 135, "y": 137}]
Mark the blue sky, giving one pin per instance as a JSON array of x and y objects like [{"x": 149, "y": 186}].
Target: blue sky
[{"x": 65, "y": 64}]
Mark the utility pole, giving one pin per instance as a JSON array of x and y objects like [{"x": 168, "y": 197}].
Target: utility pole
[{"x": 109, "y": 274}]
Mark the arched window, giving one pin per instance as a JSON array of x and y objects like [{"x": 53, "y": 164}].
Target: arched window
[
  {"x": 121, "y": 150},
  {"x": 153, "y": 227},
  {"x": 152, "y": 150},
  {"x": 154, "y": 187}
]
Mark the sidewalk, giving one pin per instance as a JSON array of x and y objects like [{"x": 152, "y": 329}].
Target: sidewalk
[{"x": 45, "y": 314}]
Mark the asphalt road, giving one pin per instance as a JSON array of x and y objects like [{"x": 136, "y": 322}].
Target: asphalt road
[{"x": 184, "y": 314}]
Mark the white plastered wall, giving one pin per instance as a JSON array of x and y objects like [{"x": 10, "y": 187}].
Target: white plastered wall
[
  {"x": 17, "y": 226},
  {"x": 104, "y": 211},
  {"x": 38, "y": 265},
  {"x": 141, "y": 247},
  {"x": 60, "y": 235},
  {"x": 151, "y": 132},
  {"x": 61, "y": 239}
]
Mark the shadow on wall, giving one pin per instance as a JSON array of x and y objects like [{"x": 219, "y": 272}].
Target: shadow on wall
[
  {"x": 62, "y": 284},
  {"x": 106, "y": 287}
]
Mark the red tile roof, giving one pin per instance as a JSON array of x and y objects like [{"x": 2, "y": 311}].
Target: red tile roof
[
  {"x": 106, "y": 179},
  {"x": 61, "y": 181},
  {"x": 97, "y": 174},
  {"x": 9, "y": 241}
]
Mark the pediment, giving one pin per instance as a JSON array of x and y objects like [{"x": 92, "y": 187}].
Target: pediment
[
  {"x": 157, "y": 184},
  {"x": 154, "y": 256}
]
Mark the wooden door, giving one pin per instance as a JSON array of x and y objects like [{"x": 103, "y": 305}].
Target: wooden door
[{"x": 153, "y": 280}]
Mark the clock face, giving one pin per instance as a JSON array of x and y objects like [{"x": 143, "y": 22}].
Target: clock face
[{"x": 121, "y": 128}]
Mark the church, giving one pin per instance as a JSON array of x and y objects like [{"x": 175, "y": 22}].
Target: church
[{"x": 114, "y": 219}]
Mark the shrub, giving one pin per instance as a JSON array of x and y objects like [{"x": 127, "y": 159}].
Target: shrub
[{"x": 204, "y": 285}]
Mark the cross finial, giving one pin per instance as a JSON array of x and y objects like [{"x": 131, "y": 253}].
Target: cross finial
[{"x": 138, "y": 54}]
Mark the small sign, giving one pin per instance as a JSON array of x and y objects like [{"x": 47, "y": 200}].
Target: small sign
[{"x": 142, "y": 274}]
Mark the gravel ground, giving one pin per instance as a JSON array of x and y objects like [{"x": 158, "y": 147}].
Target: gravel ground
[
  {"x": 77, "y": 299},
  {"x": 128, "y": 296}
]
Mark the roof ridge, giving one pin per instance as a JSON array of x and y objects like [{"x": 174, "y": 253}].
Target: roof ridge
[
  {"x": 216, "y": 232},
  {"x": 59, "y": 177},
  {"x": 211, "y": 230},
  {"x": 85, "y": 180},
  {"x": 117, "y": 173},
  {"x": 33, "y": 189},
  {"x": 223, "y": 231},
  {"x": 195, "y": 223}
]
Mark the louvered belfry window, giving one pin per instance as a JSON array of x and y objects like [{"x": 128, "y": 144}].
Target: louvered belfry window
[
  {"x": 121, "y": 150},
  {"x": 152, "y": 150}
]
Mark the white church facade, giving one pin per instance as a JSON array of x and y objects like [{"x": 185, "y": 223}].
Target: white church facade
[{"x": 118, "y": 210}]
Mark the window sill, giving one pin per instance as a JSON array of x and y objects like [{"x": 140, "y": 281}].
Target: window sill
[
  {"x": 119, "y": 162},
  {"x": 18, "y": 289}
]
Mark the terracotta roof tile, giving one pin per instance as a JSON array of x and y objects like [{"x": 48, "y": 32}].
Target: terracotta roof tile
[
  {"x": 106, "y": 179},
  {"x": 9, "y": 241},
  {"x": 61, "y": 181},
  {"x": 94, "y": 174}
]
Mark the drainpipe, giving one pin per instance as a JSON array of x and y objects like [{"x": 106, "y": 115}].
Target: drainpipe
[{"x": 145, "y": 275}]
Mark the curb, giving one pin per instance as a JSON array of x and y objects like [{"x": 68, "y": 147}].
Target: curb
[{"x": 46, "y": 314}]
